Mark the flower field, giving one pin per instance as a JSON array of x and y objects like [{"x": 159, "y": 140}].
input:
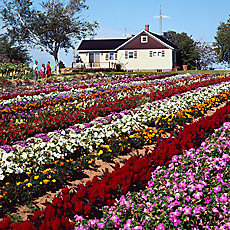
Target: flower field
[{"x": 51, "y": 131}]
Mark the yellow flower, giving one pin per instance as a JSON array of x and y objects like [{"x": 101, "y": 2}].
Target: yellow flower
[
  {"x": 7, "y": 183},
  {"x": 49, "y": 176},
  {"x": 100, "y": 152},
  {"x": 53, "y": 180},
  {"x": 45, "y": 181},
  {"x": 26, "y": 180},
  {"x": 19, "y": 183},
  {"x": 40, "y": 182},
  {"x": 1, "y": 196},
  {"x": 29, "y": 184},
  {"x": 36, "y": 177}
]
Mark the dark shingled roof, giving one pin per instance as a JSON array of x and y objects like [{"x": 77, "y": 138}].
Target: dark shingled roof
[
  {"x": 102, "y": 44},
  {"x": 164, "y": 40}
]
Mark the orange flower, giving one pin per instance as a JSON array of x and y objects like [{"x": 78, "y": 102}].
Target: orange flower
[{"x": 62, "y": 163}]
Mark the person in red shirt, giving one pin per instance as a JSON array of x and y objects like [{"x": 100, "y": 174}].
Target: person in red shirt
[{"x": 48, "y": 69}]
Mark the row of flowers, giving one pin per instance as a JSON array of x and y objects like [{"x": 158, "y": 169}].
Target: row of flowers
[
  {"x": 24, "y": 111},
  {"x": 34, "y": 181},
  {"x": 113, "y": 126},
  {"x": 12, "y": 133},
  {"x": 193, "y": 192},
  {"x": 14, "y": 91},
  {"x": 75, "y": 93},
  {"x": 135, "y": 174},
  {"x": 59, "y": 144}
]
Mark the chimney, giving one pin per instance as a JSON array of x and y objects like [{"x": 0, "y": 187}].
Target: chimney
[{"x": 147, "y": 28}]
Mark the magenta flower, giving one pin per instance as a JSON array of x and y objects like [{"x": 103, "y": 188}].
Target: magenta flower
[
  {"x": 200, "y": 187},
  {"x": 217, "y": 189},
  {"x": 215, "y": 210},
  {"x": 160, "y": 227},
  {"x": 198, "y": 195},
  {"x": 223, "y": 198},
  {"x": 207, "y": 200},
  {"x": 187, "y": 210}
]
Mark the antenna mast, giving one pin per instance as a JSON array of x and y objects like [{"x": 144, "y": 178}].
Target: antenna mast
[{"x": 160, "y": 21}]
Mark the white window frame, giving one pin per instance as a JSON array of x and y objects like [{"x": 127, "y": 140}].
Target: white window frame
[{"x": 144, "y": 39}]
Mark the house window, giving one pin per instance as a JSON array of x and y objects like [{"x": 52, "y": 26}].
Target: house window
[
  {"x": 131, "y": 54},
  {"x": 144, "y": 39},
  {"x": 159, "y": 54},
  {"x": 111, "y": 56}
]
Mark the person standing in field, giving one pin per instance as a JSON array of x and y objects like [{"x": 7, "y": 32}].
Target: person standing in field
[
  {"x": 42, "y": 71},
  {"x": 48, "y": 69},
  {"x": 35, "y": 70}
]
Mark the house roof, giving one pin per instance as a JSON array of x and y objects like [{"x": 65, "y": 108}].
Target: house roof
[
  {"x": 116, "y": 44},
  {"x": 101, "y": 44},
  {"x": 164, "y": 40}
]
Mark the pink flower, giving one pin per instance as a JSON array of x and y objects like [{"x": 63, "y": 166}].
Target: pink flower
[
  {"x": 198, "y": 195},
  {"x": 223, "y": 198},
  {"x": 217, "y": 189},
  {"x": 160, "y": 227}
]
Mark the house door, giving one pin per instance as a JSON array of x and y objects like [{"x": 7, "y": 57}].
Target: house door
[{"x": 94, "y": 59}]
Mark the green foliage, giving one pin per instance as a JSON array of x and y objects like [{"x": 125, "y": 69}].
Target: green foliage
[
  {"x": 61, "y": 64},
  {"x": 9, "y": 49},
  {"x": 207, "y": 55},
  {"x": 187, "y": 48},
  {"x": 50, "y": 28},
  {"x": 222, "y": 43}
]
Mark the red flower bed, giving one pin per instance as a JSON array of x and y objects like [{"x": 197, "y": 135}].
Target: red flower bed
[{"x": 134, "y": 174}]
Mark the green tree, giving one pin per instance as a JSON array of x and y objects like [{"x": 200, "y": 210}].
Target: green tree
[
  {"x": 207, "y": 54},
  {"x": 9, "y": 49},
  {"x": 187, "y": 54},
  {"x": 51, "y": 28},
  {"x": 61, "y": 64},
  {"x": 222, "y": 42}
]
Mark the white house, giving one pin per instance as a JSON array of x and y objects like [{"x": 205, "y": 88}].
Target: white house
[{"x": 145, "y": 51}]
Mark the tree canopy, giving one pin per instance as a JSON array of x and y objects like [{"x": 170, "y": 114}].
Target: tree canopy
[
  {"x": 9, "y": 49},
  {"x": 222, "y": 42},
  {"x": 187, "y": 54},
  {"x": 51, "y": 28},
  {"x": 206, "y": 52}
]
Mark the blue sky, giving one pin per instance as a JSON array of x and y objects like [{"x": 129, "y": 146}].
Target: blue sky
[{"x": 199, "y": 18}]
